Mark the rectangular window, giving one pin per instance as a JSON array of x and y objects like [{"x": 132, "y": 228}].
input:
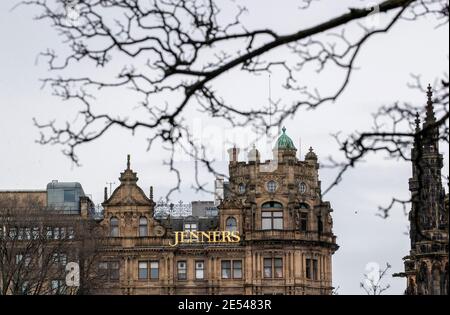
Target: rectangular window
[
  {"x": 278, "y": 267},
  {"x": 272, "y": 220},
  {"x": 190, "y": 227},
  {"x": 70, "y": 233},
  {"x": 226, "y": 269},
  {"x": 49, "y": 232},
  {"x": 277, "y": 220},
  {"x": 154, "y": 270},
  {"x": 266, "y": 220},
  {"x": 59, "y": 259},
  {"x": 63, "y": 234},
  {"x": 237, "y": 269},
  {"x": 199, "y": 270},
  {"x": 114, "y": 271},
  {"x": 273, "y": 268},
  {"x": 182, "y": 270},
  {"x": 315, "y": 269},
  {"x": 35, "y": 233},
  {"x": 12, "y": 233},
  {"x": 143, "y": 270},
  {"x": 28, "y": 233},
  {"x": 69, "y": 195},
  {"x": 303, "y": 222},
  {"x": 231, "y": 269},
  {"x": 308, "y": 269},
  {"x": 56, "y": 235},
  {"x": 103, "y": 270},
  {"x": 267, "y": 267}
]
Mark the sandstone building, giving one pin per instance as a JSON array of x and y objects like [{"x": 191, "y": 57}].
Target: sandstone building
[{"x": 285, "y": 232}]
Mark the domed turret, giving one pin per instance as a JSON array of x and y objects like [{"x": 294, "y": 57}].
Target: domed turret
[
  {"x": 311, "y": 155},
  {"x": 284, "y": 142}
]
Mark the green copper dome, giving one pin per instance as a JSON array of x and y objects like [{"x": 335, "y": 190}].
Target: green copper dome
[{"x": 284, "y": 142}]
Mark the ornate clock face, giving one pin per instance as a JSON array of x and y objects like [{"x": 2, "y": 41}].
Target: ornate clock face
[{"x": 160, "y": 231}]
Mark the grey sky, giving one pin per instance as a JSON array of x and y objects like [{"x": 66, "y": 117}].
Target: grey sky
[{"x": 385, "y": 65}]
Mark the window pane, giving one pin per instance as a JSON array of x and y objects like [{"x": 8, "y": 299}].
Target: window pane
[
  {"x": 182, "y": 270},
  {"x": 315, "y": 270},
  {"x": 154, "y": 270},
  {"x": 266, "y": 224},
  {"x": 114, "y": 270},
  {"x": 143, "y": 231},
  {"x": 226, "y": 269},
  {"x": 278, "y": 224},
  {"x": 199, "y": 270},
  {"x": 267, "y": 267},
  {"x": 143, "y": 270},
  {"x": 237, "y": 269},
  {"x": 278, "y": 262},
  {"x": 69, "y": 195},
  {"x": 308, "y": 268}
]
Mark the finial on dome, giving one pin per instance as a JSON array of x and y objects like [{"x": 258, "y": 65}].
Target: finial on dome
[
  {"x": 284, "y": 129},
  {"x": 128, "y": 162}
]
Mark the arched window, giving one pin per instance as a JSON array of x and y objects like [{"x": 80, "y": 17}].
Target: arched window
[
  {"x": 272, "y": 205},
  {"x": 272, "y": 216},
  {"x": 114, "y": 227},
  {"x": 231, "y": 224},
  {"x": 143, "y": 227}
]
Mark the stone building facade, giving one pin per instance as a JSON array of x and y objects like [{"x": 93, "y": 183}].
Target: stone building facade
[
  {"x": 426, "y": 267},
  {"x": 285, "y": 233}
]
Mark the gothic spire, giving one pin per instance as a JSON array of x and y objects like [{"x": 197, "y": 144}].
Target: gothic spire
[{"x": 430, "y": 118}]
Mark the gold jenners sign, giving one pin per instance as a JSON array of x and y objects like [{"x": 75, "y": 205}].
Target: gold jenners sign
[{"x": 206, "y": 237}]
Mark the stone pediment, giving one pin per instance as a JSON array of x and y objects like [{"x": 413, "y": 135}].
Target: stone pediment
[
  {"x": 128, "y": 194},
  {"x": 231, "y": 204}
]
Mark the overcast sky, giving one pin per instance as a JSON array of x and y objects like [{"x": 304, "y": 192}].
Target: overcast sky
[{"x": 385, "y": 65}]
